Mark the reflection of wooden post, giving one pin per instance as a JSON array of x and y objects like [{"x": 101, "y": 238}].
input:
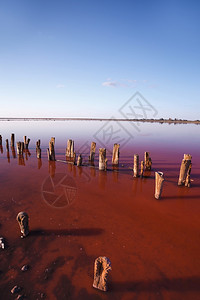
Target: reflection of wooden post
[
  {"x": 51, "y": 150},
  {"x": 0, "y": 140},
  {"x": 102, "y": 159},
  {"x": 52, "y": 168},
  {"x": 12, "y": 141},
  {"x": 26, "y": 142},
  {"x": 185, "y": 170},
  {"x": 102, "y": 266},
  {"x": 158, "y": 184},
  {"x": 7, "y": 145},
  {"x": 136, "y": 166},
  {"x": 22, "y": 219},
  {"x": 92, "y": 151},
  {"x": 115, "y": 156},
  {"x": 38, "y": 149},
  {"x": 79, "y": 161},
  {"x": 147, "y": 161},
  {"x": 70, "y": 149},
  {"x": 142, "y": 169}
]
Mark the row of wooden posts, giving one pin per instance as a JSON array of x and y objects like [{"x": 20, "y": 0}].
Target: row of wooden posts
[{"x": 145, "y": 165}]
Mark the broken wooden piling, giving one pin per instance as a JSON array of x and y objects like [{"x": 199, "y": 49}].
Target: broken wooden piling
[
  {"x": 115, "y": 155},
  {"x": 51, "y": 150},
  {"x": 185, "y": 170},
  {"x": 79, "y": 161},
  {"x": 142, "y": 169},
  {"x": 12, "y": 140},
  {"x": 102, "y": 159},
  {"x": 136, "y": 165},
  {"x": 0, "y": 141},
  {"x": 102, "y": 266},
  {"x": 147, "y": 162},
  {"x": 158, "y": 184},
  {"x": 22, "y": 219},
  {"x": 20, "y": 148},
  {"x": 7, "y": 145},
  {"x": 92, "y": 152},
  {"x": 26, "y": 142},
  {"x": 38, "y": 149},
  {"x": 70, "y": 149}
]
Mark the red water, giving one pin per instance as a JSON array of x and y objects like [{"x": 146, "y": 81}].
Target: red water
[{"x": 79, "y": 213}]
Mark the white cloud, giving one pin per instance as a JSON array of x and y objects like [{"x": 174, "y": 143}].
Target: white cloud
[
  {"x": 60, "y": 86},
  {"x": 110, "y": 83}
]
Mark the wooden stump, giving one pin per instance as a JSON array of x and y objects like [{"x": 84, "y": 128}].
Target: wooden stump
[
  {"x": 92, "y": 151},
  {"x": 0, "y": 141},
  {"x": 7, "y": 145},
  {"x": 79, "y": 161},
  {"x": 26, "y": 142},
  {"x": 38, "y": 149},
  {"x": 185, "y": 170},
  {"x": 158, "y": 184},
  {"x": 147, "y": 162},
  {"x": 12, "y": 140},
  {"x": 136, "y": 165},
  {"x": 115, "y": 156},
  {"x": 102, "y": 159},
  {"x": 51, "y": 150},
  {"x": 142, "y": 169},
  {"x": 102, "y": 266},
  {"x": 20, "y": 148},
  {"x": 22, "y": 219}
]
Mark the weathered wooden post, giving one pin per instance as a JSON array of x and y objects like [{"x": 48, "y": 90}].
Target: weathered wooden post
[
  {"x": 70, "y": 149},
  {"x": 158, "y": 184},
  {"x": 26, "y": 142},
  {"x": 92, "y": 151},
  {"x": 0, "y": 141},
  {"x": 102, "y": 159},
  {"x": 187, "y": 181},
  {"x": 79, "y": 161},
  {"x": 51, "y": 150},
  {"x": 7, "y": 145},
  {"x": 22, "y": 219},
  {"x": 102, "y": 266},
  {"x": 185, "y": 170},
  {"x": 136, "y": 165},
  {"x": 12, "y": 140},
  {"x": 147, "y": 161},
  {"x": 38, "y": 149},
  {"x": 19, "y": 148},
  {"x": 142, "y": 169},
  {"x": 115, "y": 155}
]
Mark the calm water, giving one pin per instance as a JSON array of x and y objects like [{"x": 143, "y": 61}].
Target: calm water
[{"x": 78, "y": 213}]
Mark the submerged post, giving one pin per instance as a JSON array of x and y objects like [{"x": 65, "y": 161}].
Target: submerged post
[
  {"x": 92, "y": 151},
  {"x": 158, "y": 184},
  {"x": 102, "y": 266},
  {"x": 12, "y": 140},
  {"x": 136, "y": 165},
  {"x": 115, "y": 155},
  {"x": 147, "y": 161},
  {"x": 102, "y": 159},
  {"x": 185, "y": 170},
  {"x": 51, "y": 150},
  {"x": 22, "y": 219}
]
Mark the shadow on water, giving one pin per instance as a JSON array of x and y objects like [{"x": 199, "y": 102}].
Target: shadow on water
[
  {"x": 66, "y": 232},
  {"x": 174, "y": 284}
]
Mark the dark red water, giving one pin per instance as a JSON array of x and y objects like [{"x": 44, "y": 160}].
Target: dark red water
[{"x": 79, "y": 213}]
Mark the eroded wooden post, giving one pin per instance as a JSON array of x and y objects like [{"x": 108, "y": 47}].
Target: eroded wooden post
[
  {"x": 12, "y": 140},
  {"x": 51, "y": 150},
  {"x": 185, "y": 170},
  {"x": 102, "y": 266},
  {"x": 70, "y": 149},
  {"x": 22, "y": 219},
  {"x": 38, "y": 149},
  {"x": 0, "y": 141},
  {"x": 26, "y": 142},
  {"x": 115, "y": 155},
  {"x": 147, "y": 161},
  {"x": 79, "y": 161},
  {"x": 136, "y": 165},
  {"x": 19, "y": 148},
  {"x": 158, "y": 184},
  {"x": 142, "y": 169},
  {"x": 102, "y": 159},
  {"x": 92, "y": 151},
  {"x": 7, "y": 145}
]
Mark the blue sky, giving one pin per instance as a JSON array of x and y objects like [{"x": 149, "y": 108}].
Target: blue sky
[{"x": 87, "y": 58}]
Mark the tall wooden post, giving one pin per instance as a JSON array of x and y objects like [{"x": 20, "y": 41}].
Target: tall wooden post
[
  {"x": 136, "y": 165},
  {"x": 7, "y": 145},
  {"x": 0, "y": 140},
  {"x": 115, "y": 155},
  {"x": 102, "y": 159},
  {"x": 38, "y": 149},
  {"x": 51, "y": 150},
  {"x": 158, "y": 184},
  {"x": 147, "y": 161},
  {"x": 26, "y": 142},
  {"x": 70, "y": 149},
  {"x": 92, "y": 151},
  {"x": 185, "y": 170},
  {"x": 12, "y": 141}
]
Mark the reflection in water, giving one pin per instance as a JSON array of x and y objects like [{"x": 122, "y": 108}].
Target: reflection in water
[
  {"x": 102, "y": 179},
  {"x": 92, "y": 171},
  {"x": 21, "y": 161},
  {"x": 27, "y": 153},
  {"x": 80, "y": 171},
  {"x": 52, "y": 168},
  {"x": 39, "y": 160},
  {"x": 13, "y": 152},
  {"x": 115, "y": 173},
  {"x": 1, "y": 149},
  {"x": 8, "y": 156}
]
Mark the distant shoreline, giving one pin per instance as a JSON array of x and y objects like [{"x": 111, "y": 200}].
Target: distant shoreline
[{"x": 168, "y": 121}]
